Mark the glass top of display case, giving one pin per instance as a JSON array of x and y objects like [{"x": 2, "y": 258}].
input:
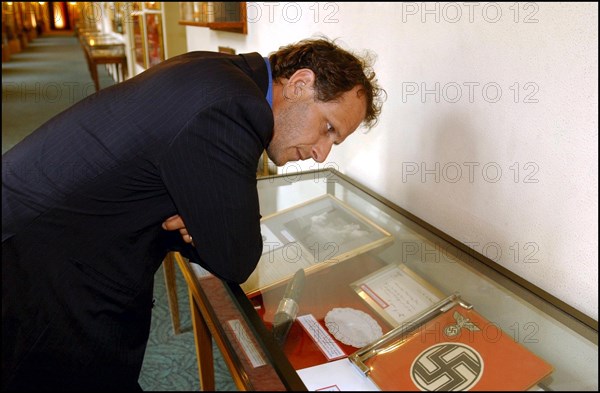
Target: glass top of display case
[{"x": 353, "y": 293}]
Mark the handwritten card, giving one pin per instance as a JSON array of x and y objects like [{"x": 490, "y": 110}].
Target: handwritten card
[{"x": 396, "y": 293}]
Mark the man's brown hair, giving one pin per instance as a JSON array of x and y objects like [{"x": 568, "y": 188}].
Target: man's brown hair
[{"x": 336, "y": 72}]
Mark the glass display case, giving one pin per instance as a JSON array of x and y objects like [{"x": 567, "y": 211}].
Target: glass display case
[{"x": 379, "y": 291}]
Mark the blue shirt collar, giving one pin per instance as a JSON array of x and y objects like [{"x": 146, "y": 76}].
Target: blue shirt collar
[{"x": 270, "y": 91}]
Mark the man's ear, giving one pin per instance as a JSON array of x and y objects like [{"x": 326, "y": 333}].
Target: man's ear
[{"x": 302, "y": 78}]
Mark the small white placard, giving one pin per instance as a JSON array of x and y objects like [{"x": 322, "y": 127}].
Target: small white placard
[
  {"x": 339, "y": 375},
  {"x": 247, "y": 345},
  {"x": 321, "y": 337}
]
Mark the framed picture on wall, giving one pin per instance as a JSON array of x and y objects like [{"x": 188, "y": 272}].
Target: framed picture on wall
[
  {"x": 154, "y": 34},
  {"x": 139, "y": 41},
  {"x": 152, "y": 5}
]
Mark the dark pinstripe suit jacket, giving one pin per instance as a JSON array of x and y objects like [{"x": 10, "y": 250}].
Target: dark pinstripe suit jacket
[{"x": 83, "y": 199}]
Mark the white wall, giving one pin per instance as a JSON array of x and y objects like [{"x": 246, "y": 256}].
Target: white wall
[{"x": 490, "y": 129}]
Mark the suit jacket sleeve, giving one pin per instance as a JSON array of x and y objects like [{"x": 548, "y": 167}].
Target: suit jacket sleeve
[{"x": 209, "y": 170}]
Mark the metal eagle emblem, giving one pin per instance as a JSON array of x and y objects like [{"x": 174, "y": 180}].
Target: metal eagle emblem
[{"x": 461, "y": 322}]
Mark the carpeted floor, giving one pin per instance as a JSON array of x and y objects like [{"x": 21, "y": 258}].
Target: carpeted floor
[
  {"x": 47, "y": 77},
  {"x": 170, "y": 361},
  {"x": 44, "y": 79}
]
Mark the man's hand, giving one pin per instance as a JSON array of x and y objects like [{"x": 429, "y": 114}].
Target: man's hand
[{"x": 175, "y": 223}]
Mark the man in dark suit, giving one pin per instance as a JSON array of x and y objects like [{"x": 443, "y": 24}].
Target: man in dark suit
[{"x": 86, "y": 198}]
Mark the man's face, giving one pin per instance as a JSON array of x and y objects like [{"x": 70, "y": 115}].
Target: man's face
[{"x": 305, "y": 128}]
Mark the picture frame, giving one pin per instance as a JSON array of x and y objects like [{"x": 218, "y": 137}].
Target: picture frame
[
  {"x": 221, "y": 16},
  {"x": 152, "y": 5},
  {"x": 186, "y": 10},
  {"x": 136, "y": 6},
  {"x": 312, "y": 235},
  {"x": 154, "y": 38},
  {"x": 139, "y": 41}
]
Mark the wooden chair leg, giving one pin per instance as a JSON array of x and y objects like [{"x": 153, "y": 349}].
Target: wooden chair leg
[
  {"x": 204, "y": 352},
  {"x": 171, "y": 284}
]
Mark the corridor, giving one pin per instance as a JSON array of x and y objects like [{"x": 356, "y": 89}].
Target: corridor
[{"x": 47, "y": 77}]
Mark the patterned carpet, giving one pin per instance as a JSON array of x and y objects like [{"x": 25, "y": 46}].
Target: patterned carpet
[
  {"x": 170, "y": 361},
  {"x": 44, "y": 79},
  {"x": 47, "y": 77}
]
